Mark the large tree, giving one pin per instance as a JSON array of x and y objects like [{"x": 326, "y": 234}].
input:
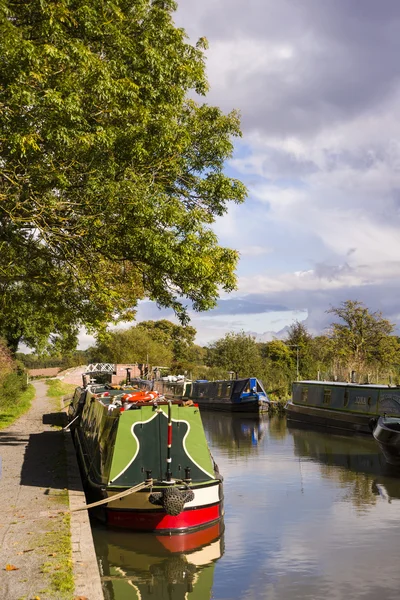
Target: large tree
[
  {"x": 179, "y": 338},
  {"x": 362, "y": 339},
  {"x": 130, "y": 346},
  {"x": 111, "y": 174},
  {"x": 299, "y": 340},
  {"x": 237, "y": 352}
]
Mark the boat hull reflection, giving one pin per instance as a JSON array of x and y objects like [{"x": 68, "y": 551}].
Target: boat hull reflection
[
  {"x": 241, "y": 433},
  {"x": 140, "y": 566},
  {"x": 342, "y": 459}
]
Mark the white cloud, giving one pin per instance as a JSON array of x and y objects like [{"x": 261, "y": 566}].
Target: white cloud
[{"x": 318, "y": 87}]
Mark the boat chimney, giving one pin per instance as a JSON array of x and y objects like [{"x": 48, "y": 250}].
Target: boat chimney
[
  {"x": 353, "y": 377},
  {"x": 128, "y": 375},
  {"x": 169, "y": 443},
  {"x": 85, "y": 379},
  {"x": 187, "y": 475}
]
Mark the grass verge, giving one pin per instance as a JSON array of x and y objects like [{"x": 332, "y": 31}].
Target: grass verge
[
  {"x": 56, "y": 545},
  {"x": 15, "y": 409},
  {"x": 57, "y": 388}
]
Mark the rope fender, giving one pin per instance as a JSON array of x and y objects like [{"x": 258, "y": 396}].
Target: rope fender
[{"x": 172, "y": 500}]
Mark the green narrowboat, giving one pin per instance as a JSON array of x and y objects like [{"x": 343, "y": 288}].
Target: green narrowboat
[
  {"x": 126, "y": 440},
  {"x": 341, "y": 405}
]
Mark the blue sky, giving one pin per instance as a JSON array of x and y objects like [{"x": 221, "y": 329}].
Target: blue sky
[{"x": 318, "y": 87}]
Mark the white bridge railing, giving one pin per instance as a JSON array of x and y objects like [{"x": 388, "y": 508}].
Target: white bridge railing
[{"x": 100, "y": 368}]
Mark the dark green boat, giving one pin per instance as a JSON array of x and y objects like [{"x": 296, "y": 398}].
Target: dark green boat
[
  {"x": 341, "y": 405},
  {"x": 126, "y": 438}
]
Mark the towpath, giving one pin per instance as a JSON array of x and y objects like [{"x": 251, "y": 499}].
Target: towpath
[{"x": 34, "y": 531}]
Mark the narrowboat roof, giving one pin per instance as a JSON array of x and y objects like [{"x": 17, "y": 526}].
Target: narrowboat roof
[
  {"x": 224, "y": 380},
  {"x": 348, "y": 384}
]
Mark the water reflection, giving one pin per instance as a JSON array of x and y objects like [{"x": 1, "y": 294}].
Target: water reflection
[
  {"x": 237, "y": 434},
  {"x": 308, "y": 514},
  {"x": 142, "y": 566},
  {"x": 353, "y": 461}
]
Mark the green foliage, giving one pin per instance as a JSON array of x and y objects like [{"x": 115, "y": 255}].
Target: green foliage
[
  {"x": 299, "y": 341},
  {"x": 111, "y": 175},
  {"x": 158, "y": 343},
  {"x": 6, "y": 361},
  {"x": 14, "y": 401},
  {"x": 322, "y": 356},
  {"x": 43, "y": 361},
  {"x": 133, "y": 345},
  {"x": 178, "y": 338},
  {"x": 236, "y": 352},
  {"x": 13, "y": 387},
  {"x": 364, "y": 341},
  {"x": 277, "y": 352},
  {"x": 278, "y": 369}
]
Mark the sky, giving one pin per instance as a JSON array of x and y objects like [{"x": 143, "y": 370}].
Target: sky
[{"x": 318, "y": 87}]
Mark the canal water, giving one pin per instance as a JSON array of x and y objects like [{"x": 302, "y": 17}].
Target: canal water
[{"x": 308, "y": 515}]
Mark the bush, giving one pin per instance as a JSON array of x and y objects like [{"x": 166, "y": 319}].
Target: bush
[{"x": 11, "y": 387}]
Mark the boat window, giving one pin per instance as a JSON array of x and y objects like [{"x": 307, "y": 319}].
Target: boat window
[
  {"x": 327, "y": 396},
  {"x": 247, "y": 389},
  {"x": 219, "y": 392},
  {"x": 304, "y": 394},
  {"x": 238, "y": 388},
  {"x": 259, "y": 387},
  {"x": 228, "y": 389},
  {"x": 346, "y": 397}
]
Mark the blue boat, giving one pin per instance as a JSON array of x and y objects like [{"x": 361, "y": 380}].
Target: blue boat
[{"x": 235, "y": 395}]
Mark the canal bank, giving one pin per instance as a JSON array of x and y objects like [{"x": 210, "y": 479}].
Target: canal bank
[{"x": 39, "y": 482}]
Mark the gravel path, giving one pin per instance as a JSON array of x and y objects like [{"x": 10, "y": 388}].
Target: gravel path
[
  {"x": 73, "y": 375},
  {"x": 32, "y": 483}
]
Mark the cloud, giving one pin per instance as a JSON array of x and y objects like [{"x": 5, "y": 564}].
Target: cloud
[
  {"x": 294, "y": 68},
  {"x": 318, "y": 87}
]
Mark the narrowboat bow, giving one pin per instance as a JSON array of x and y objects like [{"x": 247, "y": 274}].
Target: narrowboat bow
[
  {"x": 387, "y": 433},
  {"x": 129, "y": 440}
]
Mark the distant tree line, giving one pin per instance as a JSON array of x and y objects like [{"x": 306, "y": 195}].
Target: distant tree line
[{"x": 358, "y": 341}]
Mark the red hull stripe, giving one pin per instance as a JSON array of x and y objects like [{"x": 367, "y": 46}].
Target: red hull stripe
[
  {"x": 156, "y": 521},
  {"x": 185, "y": 542}
]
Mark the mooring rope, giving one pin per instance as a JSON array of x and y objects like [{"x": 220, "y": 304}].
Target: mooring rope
[
  {"x": 132, "y": 490},
  {"x": 66, "y": 428}
]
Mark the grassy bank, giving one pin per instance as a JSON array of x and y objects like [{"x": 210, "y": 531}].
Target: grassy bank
[
  {"x": 57, "y": 388},
  {"x": 12, "y": 408}
]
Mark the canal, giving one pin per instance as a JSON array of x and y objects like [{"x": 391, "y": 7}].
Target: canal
[{"x": 308, "y": 514}]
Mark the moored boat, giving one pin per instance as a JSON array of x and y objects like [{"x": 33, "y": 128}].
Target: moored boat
[
  {"x": 147, "y": 458},
  {"x": 387, "y": 433},
  {"x": 340, "y": 405},
  {"x": 235, "y": 395}
]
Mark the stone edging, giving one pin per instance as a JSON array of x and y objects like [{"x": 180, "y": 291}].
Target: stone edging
[{"x": 85, "y": 568}]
